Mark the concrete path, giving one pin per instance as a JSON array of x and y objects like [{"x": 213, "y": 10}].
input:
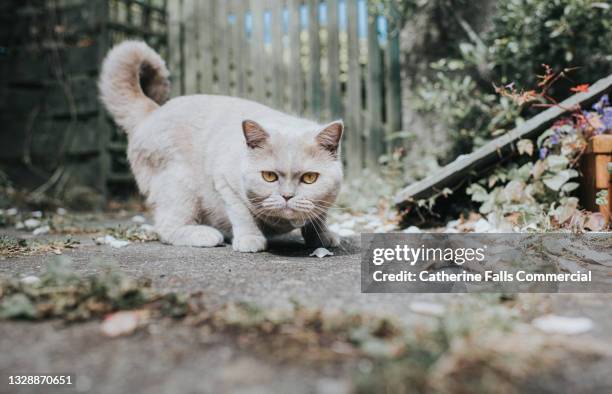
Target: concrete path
[{"x": 201, "y": 363}]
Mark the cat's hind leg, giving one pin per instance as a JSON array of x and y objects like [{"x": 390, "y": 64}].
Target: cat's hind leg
[{"x": 175, "y": 211}]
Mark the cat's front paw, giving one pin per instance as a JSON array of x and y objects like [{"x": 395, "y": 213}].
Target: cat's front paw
[
  {"x": 249, "y": 243},
  {"x": 326, "y": 239}
]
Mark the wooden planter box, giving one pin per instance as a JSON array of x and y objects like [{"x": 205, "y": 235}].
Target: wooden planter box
[{"x": 596, "y": 175}]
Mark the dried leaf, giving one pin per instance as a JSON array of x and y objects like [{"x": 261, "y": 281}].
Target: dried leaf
[
  {"x": 123, "y": 323},
  {"x": 321, "y": 252},
  {"x": 525, "y": 146}
]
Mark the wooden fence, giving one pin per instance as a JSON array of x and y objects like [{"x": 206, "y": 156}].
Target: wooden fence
[{"x": 323, "y": 59}]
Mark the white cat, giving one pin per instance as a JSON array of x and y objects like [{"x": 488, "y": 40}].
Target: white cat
[{"x": 216, "y": 166}]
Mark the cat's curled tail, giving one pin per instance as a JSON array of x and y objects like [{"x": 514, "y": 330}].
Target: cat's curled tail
[{"x": 133, "y": 82}]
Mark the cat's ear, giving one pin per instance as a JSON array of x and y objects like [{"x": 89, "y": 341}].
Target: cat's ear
[
  {"x": 329, "y": 137},
  {"x": 254, "y": 134}
]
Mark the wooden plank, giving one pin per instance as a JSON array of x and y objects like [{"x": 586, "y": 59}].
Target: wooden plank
[
  {"x": 258, "y": 51},
  {"x": 333, "y": 60},
  {"x": 314, "y": 63},
  {"x": 499, "y": 147},
  {"x": 278, "y": 76},
  {"x": 175, "y": 45},
  {"x": 353, "y": 134},
  {"x": 222, "y": 46},
  {"x": 295, "y": 67},
  {"x": 240, "y": 42},
  {"x": 191, "y": 45},
  {"x": 393, "y": 80},
  {"x": 205, "y": 25},
  {"x": 375, "y": 138}
]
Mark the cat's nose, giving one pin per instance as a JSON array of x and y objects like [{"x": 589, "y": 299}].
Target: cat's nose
[{"x": 287, "y": 197}]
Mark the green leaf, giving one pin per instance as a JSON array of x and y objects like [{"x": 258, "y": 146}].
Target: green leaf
[
  {"x": 555, "y": 182},
  {"x": 570, "y": 186},
  {"x": 557, "y": 162}
]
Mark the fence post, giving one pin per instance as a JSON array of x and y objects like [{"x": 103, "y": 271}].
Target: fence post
[
  {"x": 175, "y": 46},
  {"x": 295, "y": 65},
  {"x": 353, "y": 112},
  {"x": 314, "y": 72},
  {"x": 205, "y": 34},
  {"x": 278, "y": 76},
  {"x": 258, "y": 51},
  {"x": 221, "y": 47},
  {"x": 240, "y": 48},
  {"x": 191, "y": 46},
  {"x": 375, "y": 138},
  {"x": 333, "y": 60},
  {"x": 393, "y": 77}
]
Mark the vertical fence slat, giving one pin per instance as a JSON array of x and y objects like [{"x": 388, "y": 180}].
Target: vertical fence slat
[
  {"x": 333, "y": 60},
  {"x": 175, "y": 55},
  {"x": 354, "y": 133},
  {"x": 258, "y": 51},
  {"x": 208, "y": 53},
  {"x": 191, "y": 46},
  {"x": 239, "y": 48},
  {"x": 393, "y": 84},
  {"x": 295, "y": 65},
  {"x": 205, "y": 35},
  {"x": 375, "y": 138},
  {"x": 277, "y": 80},
  {"x": 222, "y": 47},
  {"x": 314, "y": 64}
]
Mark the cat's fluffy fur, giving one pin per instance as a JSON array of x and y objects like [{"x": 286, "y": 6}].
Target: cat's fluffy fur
[{"x": 199, "y": 159}]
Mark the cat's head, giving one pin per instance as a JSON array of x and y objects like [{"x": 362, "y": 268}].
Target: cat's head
[{"x": 292, "y": 174}]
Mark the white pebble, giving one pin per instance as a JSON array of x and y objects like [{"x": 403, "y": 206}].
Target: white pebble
[
  {"x": 112, "y": 241},
  {"x": 30, "y": 280},
  {"x": 31, "y": 224},
  {"x": 427, "y": 308},
  {"x": 41, "y": 230},
  {"x": 345, "y": 232},
  {"x": 554, "y": 324},
  {"x": 139, "y": 219}
]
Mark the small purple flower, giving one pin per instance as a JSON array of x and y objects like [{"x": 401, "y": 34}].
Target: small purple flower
[
  {"x": 607, "y": 118},
  {"x": 543, "y": 153},
  {"x": 554, "y": 139},
  {"x": 603, "y": 102}
]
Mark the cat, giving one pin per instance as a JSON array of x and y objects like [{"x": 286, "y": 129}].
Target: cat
[{"x": 217, "y": 167}]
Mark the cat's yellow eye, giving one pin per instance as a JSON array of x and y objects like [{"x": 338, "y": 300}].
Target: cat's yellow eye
[
  {"x": 269, "y": 176},
  {"x": 309, "y": 177}
]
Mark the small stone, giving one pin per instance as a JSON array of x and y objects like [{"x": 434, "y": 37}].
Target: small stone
[
  {"x": 31, "y": 224},
  {"x": 554, "y": 324},
  {"x": 412, "y": 230},
  {"x": 41, "y": 230},
  {"x": 123, "y": 323},
  {"x": 139, "y": 219},
  {"x": 427, "y": 308},
  {"x": 112, "y": 241},
  {"x": 30, "y": 280}
]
